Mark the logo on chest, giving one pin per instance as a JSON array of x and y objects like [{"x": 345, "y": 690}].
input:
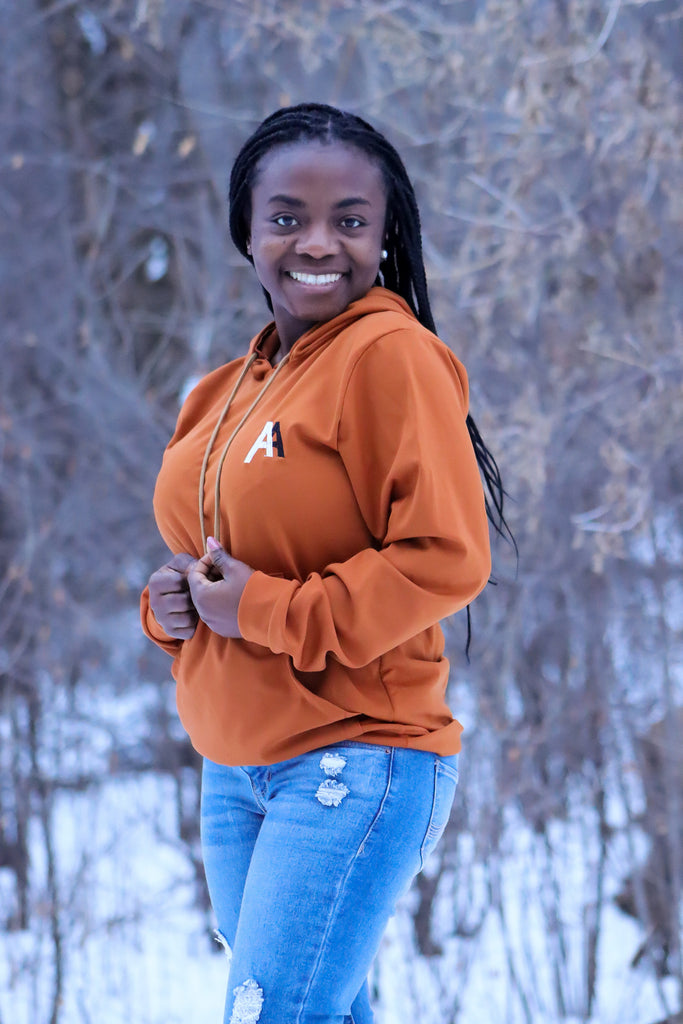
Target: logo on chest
[{"x": 269, "y": 442}]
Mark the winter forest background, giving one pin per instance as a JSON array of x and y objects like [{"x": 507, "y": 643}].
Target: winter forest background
[{"x": 545, "y": 139}]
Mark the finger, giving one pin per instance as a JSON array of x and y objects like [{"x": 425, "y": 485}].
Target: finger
[
  {"x": 182, "y": 632},
  {"x": 169, "y": 583},
  {"x": 182, "y": 562},
  {"x": 202, "y": 572},
  {"x": 220, "y": 558},
  {"x": 184, "y": 618},
  {"x": 178, "y": 604},
  {"x": 181, "y": 624},
  {"x": 177, "y": 568}
]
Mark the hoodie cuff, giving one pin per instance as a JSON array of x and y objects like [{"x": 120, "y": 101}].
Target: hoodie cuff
[{"x": 264, "y": 600}]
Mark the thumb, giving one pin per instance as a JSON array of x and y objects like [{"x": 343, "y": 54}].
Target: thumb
[{"x": 217, "y": 553}]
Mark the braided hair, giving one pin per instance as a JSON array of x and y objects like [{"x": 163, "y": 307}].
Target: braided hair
[{"x": 402, "y": 272}]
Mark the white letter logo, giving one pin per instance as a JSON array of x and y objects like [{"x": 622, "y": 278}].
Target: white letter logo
[{"x": 269, "y": 436}]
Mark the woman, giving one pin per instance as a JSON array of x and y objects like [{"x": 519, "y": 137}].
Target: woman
[{"x": 323, "y": 502}]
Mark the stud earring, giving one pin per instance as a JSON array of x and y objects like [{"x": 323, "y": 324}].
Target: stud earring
[{"x": 384, "y": 254}]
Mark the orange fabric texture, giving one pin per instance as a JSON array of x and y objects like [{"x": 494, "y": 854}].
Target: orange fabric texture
[{"x": 352, "y": 488}]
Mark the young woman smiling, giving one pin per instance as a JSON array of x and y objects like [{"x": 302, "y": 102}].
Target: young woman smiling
[{"x": 322, "y": 500}]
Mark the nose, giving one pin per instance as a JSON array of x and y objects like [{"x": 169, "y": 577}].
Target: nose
[{"x": 317, "y": 241}]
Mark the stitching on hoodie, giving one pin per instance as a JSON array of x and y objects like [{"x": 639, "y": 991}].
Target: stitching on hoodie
[{"x": 402, "y": 327}]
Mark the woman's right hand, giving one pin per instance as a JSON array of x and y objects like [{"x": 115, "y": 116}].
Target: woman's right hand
[{"x": 170, "y": 599}]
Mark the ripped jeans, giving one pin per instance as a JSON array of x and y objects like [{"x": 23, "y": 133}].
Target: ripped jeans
[{"x": 305, "y": 860}]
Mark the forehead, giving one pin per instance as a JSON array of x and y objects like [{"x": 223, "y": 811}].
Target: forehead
[{"x": 338, "y": 167}]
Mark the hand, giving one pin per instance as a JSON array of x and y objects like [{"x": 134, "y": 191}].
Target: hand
[
  {"x": 216, "y": 584},
  {"x": 170, "y": 598}
]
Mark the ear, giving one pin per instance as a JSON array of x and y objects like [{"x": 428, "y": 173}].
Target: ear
[{"x": 248, "y": 247}]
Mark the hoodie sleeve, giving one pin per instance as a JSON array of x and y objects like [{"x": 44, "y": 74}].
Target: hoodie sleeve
[
  {"x": 406, "y": 448},
  {"x": 152, "y": 629}
]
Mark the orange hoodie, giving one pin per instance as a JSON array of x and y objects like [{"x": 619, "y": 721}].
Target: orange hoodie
[{"x": 353, "y": 490}]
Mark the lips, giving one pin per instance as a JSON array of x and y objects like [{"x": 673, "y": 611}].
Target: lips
[{"x": 318, "y": 280}]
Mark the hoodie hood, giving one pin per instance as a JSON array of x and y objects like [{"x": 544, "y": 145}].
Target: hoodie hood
[{"x": 377, "y": 300}]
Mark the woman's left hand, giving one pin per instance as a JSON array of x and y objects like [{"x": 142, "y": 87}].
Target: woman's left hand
[{"x": 216, "y": 583}]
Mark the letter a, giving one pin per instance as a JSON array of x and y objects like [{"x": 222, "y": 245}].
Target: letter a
[
  {"x": 263, "y": 442},
  {"x": 277, "y": 440}
]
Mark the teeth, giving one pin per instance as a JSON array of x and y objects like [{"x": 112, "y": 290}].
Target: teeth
[{"x": 314, "y": 278}]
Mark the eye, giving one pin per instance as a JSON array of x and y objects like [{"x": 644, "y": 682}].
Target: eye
[
  {"x": 352, "y": 222},
  {"x": 285, "y": 220}
]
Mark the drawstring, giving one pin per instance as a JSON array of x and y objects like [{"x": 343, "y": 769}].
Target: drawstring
[
  {"x": 209, "y": 447},
  {"x": 212, "y": 439}
]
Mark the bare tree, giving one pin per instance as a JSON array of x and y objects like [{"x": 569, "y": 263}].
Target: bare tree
[{"x": 545, "y": 147}]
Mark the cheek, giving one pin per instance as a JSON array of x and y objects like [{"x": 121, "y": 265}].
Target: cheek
[
  {"x": 266, "y": 254},
  {"x": 270, "y": 248}
]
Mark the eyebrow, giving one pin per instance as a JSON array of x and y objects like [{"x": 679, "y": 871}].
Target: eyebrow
[{"x": 341, "y": 205}]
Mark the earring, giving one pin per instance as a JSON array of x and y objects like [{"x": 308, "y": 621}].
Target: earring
[
  {"x": 248, "y": 248},
  {"x": 384, "y": 254}
]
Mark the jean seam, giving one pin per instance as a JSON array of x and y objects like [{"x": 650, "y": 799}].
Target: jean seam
[
  {"x": 257, "y": 798},
  {"x": 335, "y": 905},
  {"x": 431, "y": 817},
  {"x": 448, "y": 770}
]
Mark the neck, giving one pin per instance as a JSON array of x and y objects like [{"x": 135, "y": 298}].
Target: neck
[{"x": 289, "y": 331}]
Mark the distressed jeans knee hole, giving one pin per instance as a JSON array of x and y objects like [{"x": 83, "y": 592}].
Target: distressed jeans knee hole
[{"x": 248, "y": 1002}]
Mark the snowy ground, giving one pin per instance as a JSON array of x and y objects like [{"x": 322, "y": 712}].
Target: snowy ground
[
  {"x": 138, "y": 951},
  {"x": 137, "y": 947}
]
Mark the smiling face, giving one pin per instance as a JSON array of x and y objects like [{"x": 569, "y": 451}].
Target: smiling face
[{"x": 318, "y": 212}]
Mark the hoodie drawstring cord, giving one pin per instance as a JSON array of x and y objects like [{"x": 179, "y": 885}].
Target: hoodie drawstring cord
[{"x": 226, "y": 447}]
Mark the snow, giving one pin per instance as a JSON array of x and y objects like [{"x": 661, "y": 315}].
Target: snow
[
  {"x": 139, "y": 951},
  {"x": 502, "y": 974},
  {"x": 512, "y": 913}
]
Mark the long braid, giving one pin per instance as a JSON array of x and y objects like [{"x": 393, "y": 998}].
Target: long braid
[{"x": 402, "y": 272}]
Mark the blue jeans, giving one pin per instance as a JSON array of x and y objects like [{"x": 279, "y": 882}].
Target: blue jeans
[{"x": 305, "y": 860}]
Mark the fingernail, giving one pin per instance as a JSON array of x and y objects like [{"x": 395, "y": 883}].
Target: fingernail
[{"x": 212, "y": 544}]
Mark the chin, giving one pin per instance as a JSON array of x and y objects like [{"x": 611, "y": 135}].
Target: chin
[{"x": 321, "y": 311}]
